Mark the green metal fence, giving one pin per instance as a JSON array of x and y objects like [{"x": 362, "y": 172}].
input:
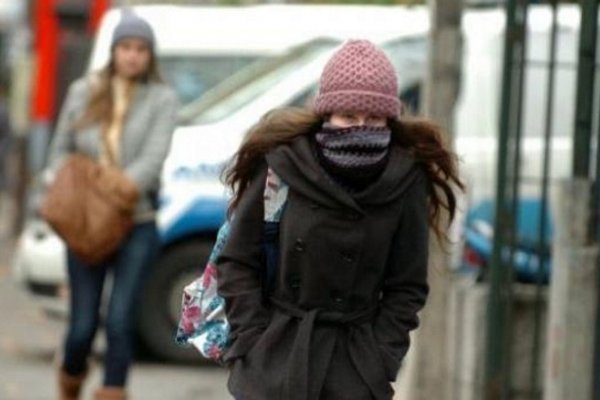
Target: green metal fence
[{"x": 498, "y": 376}]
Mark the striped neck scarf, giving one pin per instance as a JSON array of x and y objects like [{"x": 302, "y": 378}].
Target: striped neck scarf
[{"x": 354, "y": 157}]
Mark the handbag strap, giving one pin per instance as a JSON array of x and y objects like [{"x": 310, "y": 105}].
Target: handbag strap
[
  {"x": 112, "y": 160},
  {"x": 275, "y": 200},
  {"x": 72, "y": 147}
]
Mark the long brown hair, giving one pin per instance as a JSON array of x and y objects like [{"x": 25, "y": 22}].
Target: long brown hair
[
  {"x": 423, "y": 139},
  {"x": 99, "y": 108}
]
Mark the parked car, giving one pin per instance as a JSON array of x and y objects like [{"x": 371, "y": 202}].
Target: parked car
[
  {"x": 531, "y": 257},
  {"x": 193, "y": 198}
]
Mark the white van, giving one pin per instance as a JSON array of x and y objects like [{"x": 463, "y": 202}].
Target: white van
[{"x": 236, "y": 64}]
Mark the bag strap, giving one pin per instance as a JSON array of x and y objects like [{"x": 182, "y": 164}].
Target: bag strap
[
  {"x": 275, "y": 196},
  {"x": 112, "y": 160},
  {"x": 275, "y": 199},
  {"x": 72, "y": 147}
]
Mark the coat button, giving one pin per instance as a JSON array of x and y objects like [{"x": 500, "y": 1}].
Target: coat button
[
  {"x": 338, "y": 300},
  {"x": 294, "y": 282},
  {"x": 300, "y": 245},
  {"x": 348, "y": 258}
]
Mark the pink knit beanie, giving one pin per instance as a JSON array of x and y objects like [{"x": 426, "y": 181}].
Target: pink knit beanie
[{"x": 358, "y": 78}]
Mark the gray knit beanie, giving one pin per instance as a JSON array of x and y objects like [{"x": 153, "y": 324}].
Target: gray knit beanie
[{"x": 133, "y": 26}]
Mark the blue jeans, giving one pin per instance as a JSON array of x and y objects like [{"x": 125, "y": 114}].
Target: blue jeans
[{"x": 129, "y": 267}]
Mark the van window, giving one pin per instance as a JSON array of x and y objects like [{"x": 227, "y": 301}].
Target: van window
[
  {"x": 303, "y": 99},
  {"x": 409, "y": 57},
  {"x": 236, "y": 92},
  {"x": 407, "y": 54},
  {"x": 191, "y": 77},
  {"x": 411, "y": 98}
]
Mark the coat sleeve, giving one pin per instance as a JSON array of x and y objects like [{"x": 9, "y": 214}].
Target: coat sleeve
[
  {"x": 238, "y": 271},
  {"x": 145, "y": 169},
  {"x": 405, "y": 285}
]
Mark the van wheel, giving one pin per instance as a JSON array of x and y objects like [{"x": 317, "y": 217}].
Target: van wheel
[{"x": 161, "y": 303}]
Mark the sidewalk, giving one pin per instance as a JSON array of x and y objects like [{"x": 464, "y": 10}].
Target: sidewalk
[{"x": 7, "y": 239}]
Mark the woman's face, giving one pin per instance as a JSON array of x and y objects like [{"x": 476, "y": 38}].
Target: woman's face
[
  {"x": 132, "y": 58},
  {"x": 348, "y": 119}
]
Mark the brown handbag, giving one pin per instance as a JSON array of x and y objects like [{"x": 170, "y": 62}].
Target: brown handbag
[{"x": 91, "y": 207}]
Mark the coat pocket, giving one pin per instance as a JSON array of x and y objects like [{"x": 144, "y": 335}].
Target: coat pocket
[
  {"x": 368, "y": 362},
  {"x": 388, "y": 363},
  {"x": 245, "y": 341}
]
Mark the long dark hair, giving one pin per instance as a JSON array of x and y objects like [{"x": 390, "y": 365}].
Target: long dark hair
[
  {"x": 99, "y": 108},
  {"x": 423, "y": 139}
]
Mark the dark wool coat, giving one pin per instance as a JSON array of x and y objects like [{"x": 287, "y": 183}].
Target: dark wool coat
[{"x": 351, "y": 279}]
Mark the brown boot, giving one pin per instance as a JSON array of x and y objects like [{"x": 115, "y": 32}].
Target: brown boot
[
  {"x": 69, "y": 386},
  {"x": 110, "y": 393}
]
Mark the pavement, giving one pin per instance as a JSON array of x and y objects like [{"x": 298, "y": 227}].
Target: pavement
[{"x": 29, "y": 340}]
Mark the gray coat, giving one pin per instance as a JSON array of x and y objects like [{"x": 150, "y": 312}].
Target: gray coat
[
  {"x": 145, "y": 139},
  {"x": 352, "y": 277}
]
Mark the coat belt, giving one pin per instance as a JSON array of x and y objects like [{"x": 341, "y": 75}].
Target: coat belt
[{"x": 296, "y": 386}]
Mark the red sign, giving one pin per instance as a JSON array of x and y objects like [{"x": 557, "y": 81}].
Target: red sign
[{"x": 46, "y": 37}]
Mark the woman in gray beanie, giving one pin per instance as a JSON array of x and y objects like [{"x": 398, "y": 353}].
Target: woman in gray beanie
[{"x": 123, "y": 115}]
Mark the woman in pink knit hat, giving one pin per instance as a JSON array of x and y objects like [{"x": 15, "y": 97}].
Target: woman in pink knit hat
[{"x": 364, "y": 185}]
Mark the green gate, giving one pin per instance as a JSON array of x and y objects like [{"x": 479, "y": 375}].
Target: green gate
[{"x": 519, "y": 64}]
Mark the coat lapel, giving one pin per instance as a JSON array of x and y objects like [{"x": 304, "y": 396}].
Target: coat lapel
[{"x": 298, "y": 167}]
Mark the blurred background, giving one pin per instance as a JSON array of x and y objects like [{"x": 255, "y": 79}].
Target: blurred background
[{"x": 513, "y": 312}]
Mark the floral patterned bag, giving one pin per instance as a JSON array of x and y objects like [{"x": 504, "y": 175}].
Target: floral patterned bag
[{"x": 203, "y": 323}]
